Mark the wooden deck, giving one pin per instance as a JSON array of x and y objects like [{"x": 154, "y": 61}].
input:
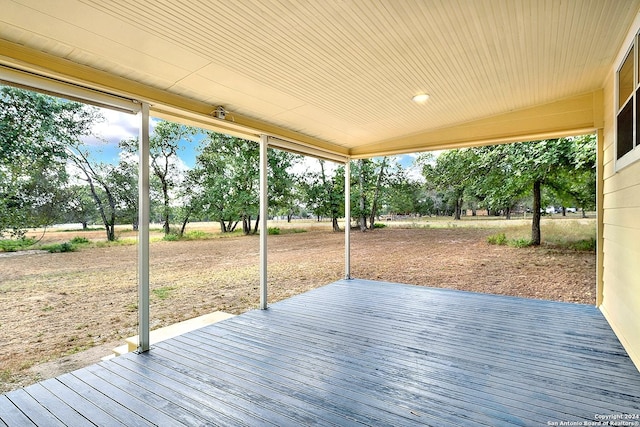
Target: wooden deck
[{"x": 353, "y": 353}]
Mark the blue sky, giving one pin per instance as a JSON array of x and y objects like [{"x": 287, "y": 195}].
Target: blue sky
[{"x": 121, "y": 126}]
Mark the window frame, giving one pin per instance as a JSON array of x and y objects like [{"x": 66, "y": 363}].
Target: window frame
[{"x": 632, "y": 155}]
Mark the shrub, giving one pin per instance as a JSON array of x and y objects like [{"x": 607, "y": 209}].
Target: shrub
[
  {"x": 196, "y": 235},
  {"x": 519, "y": 243},
  {"x": 11, "y": 245},
  {"x": 273, "y": 230},
  {"x": 171, "y": 237},
  {"x": 587, "y": 245},
  {"x": 117, "y": 242},
  {"x": 163, "y": 292},
  {"x": 497, "y": 239},
  {"x": 296, "y": 230},
  {"x": 379, "y": 225},
  {"x": 59, "y": 247},
  {"x": 79, "y": 240},
  {"x": 67, "y": 247}
]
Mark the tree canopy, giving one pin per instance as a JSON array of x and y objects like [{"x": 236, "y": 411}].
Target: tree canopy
[
  {"x": 501, "y": 176},
  {"x": 36, "y": 132}
]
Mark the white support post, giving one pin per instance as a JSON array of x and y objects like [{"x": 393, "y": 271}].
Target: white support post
[
  {"x": 264, "y": 145},
  {"x": 143, "y": 231},
  {"x": 599, "y": 217},
  {"x": 347, "y": 220}
]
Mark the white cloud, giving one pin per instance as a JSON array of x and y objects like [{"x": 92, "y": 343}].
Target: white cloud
[
  {"x": 115, "y": 127},
  {"x": 311, "y": 164},
  {"x": 414, "y": 172}
]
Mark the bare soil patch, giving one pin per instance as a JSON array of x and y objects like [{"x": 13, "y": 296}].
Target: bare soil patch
[{"x": 56, "y": 306}]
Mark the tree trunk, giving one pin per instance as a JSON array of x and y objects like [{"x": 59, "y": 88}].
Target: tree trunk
[
  {"x": 103, "y": 215},
  {"x": 564, "y": 211},
  {"x": 508, "y": 212},
  {"x": 376, "y": 194},
  {"x": 535, "y": 225},
  {"x": 458, "y": 211},
  {"x": 363, "y": 216},
  {"x": 184, "y": 224},
  {"x": 223, "y": 226},
  {"x": 255, "y": 228},
  {"x": 84, "y": 225},
  {"x": 246, "y": 225},
  {"x": 584, "y": 213},
  {"x": 336, "y": 226},
  {"x": 165, "y": 214},
  {"x": 111, "y": 231}
]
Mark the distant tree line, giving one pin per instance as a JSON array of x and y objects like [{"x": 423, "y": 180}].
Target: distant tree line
[{"x": 48, "y": 176}]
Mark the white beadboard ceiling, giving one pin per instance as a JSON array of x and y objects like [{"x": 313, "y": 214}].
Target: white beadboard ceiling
[{"x": 339, "y": 71}]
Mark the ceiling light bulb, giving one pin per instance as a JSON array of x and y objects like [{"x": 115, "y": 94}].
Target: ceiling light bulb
[{"x": 420, "y": 98}]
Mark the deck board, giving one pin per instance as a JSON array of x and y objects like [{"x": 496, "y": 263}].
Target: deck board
[
  {"x": 57, "y": 408},
  {"x": 358, "y": 353}
]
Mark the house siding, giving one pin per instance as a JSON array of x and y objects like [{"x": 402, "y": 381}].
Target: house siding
[{"x": 621, "y": 229}]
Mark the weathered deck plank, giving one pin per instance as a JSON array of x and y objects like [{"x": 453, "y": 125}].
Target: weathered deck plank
[{"x": 353, "y": 353}]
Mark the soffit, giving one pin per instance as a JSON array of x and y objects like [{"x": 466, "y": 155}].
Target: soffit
[{"x": 339, "y": 71}]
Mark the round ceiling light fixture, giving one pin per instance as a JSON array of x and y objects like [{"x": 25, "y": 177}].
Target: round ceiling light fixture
[{"x": 420, "y": 98}]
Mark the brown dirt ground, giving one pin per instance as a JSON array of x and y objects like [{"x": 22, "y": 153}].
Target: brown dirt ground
[{"x": 56, "y": 306}]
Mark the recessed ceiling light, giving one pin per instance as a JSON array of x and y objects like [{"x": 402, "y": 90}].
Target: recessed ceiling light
[{"x": 420, "y": 98}]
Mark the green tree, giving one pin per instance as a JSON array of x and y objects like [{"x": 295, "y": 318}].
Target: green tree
[
  {"x": 97, "y": 177},
  {"x": 36, "y": 132},
  {"x": 564, "y": 167},
  {"x": 165, "y": 142},
  {"x": 80, "y": 206},
  {"x": 497, "y": 183},
  {"x": 124, "y": 183},
  {"x": 282, "y": 182},
  {"x": 312, "y": 185},
  {"x": 229, "y": 176},
  {"x": 230, "y": 179},
  {"x": 323, "y": 193},
  {"x": 334, "y": 191},
  {"x": 539, "y": 163},
  {"x": 500, "y": 176},
  {"x": 190, "y": 197},
  {"x": 368, "y": 189},
  {"x": 576, "y": 185},
  {"x": 404, "y": 196},
  {"x": 451, "y": 173}
]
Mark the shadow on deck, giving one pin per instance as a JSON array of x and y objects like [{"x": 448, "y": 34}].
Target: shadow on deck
[{"x": 359, "y": 352}]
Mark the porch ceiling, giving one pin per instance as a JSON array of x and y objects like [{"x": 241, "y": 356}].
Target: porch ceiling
[{"x": 337, "y": 74}]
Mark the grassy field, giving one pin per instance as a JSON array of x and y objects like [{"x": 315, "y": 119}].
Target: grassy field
[{"x": 556, "y": 230}]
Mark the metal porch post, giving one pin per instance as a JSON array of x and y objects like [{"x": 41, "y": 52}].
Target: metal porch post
[
  {"x": 347, "y": 219},
  {"x": 143, "y": 231},
  {"x": 264, "y": 145}
]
